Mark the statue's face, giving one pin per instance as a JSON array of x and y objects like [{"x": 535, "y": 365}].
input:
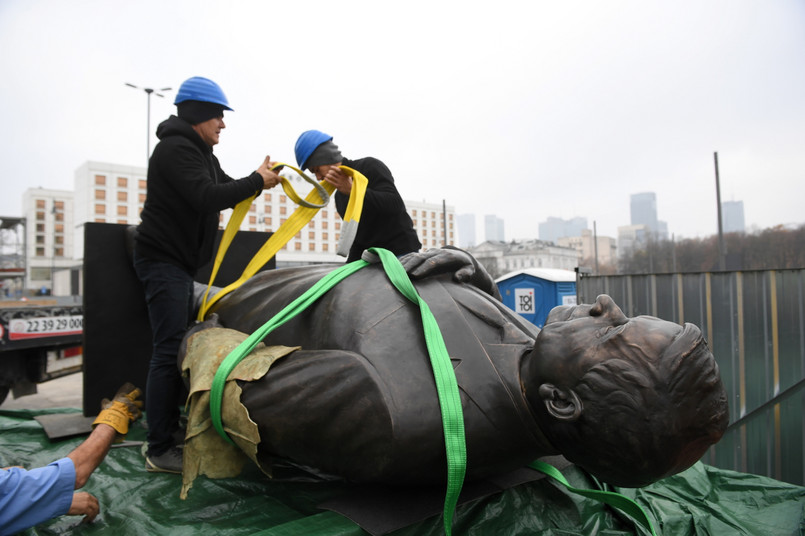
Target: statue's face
[{"x": 575, "y": 338}]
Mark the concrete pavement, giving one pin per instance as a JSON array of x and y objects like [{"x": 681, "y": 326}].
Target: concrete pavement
[{"x": 64, "y": 392}]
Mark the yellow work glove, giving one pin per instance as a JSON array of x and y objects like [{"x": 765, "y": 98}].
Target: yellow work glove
[{"x": 120, "y": 411}]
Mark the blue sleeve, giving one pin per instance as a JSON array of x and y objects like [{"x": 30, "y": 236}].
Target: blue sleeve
[{"x": 28, "y": 498}]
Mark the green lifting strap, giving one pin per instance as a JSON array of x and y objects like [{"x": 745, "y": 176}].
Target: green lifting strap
[{"x": 621, "y": 502}]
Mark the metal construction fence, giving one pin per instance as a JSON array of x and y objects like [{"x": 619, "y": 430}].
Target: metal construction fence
[{"x": 754, "y": 322}]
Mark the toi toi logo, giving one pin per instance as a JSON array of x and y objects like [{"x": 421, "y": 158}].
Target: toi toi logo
[{"x": 524, "y": 300}]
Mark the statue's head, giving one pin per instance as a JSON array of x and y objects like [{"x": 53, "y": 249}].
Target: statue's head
[{"x": 631, "y": 400}]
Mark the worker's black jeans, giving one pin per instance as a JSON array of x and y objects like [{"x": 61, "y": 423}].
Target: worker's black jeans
[{"x": 169, "y": 295}]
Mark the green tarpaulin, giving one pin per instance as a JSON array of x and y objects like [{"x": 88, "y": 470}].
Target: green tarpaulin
[{"x": 701, "y": 501}]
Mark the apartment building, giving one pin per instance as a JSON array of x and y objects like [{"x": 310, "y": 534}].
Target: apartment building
[{"x": 49, "y": 218}]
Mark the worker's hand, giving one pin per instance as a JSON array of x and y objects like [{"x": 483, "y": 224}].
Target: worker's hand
[
  {"x": 85, "y": 505},
  {"x": 122, "y": 410},
  {"x": 336, "y": 176},
  {"x": 270, "y": 178}
]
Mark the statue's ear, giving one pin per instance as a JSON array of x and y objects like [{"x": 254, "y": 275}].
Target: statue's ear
[{"x": 562, "y": 404}]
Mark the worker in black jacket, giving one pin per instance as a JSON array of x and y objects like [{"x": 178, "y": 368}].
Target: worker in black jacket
[
  {"x": 186, "y": 190},
  {"x": 384, "y": 220}
]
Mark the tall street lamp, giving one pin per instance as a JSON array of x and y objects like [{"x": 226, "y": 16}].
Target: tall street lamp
[{"x": 148, "y": 92}]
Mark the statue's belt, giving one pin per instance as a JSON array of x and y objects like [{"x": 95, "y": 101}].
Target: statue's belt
[{"x": 446, "y": 384}]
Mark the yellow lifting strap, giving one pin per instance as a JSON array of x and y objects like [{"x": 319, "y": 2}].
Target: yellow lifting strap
[{"x": 308, "y": 207}]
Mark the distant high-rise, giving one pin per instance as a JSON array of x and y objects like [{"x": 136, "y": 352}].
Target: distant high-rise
[
  {"x": 493, "y": 228},
  {"x": 643, "y": 209},
  {"x": 552, "y": 229},
  {"x": 631, "y": 238},
  {"x": 466, "y": 230},
  {"x": 732, "y": 217}
]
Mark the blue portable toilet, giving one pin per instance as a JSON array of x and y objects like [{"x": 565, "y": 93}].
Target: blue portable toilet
[{"x": 532, "y": 293}]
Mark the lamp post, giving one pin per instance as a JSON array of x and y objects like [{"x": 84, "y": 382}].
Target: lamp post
[{"x": 148, "y": 92}]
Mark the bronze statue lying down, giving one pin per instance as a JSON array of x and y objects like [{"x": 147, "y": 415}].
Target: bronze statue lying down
[{"x": 631, "y": 400}]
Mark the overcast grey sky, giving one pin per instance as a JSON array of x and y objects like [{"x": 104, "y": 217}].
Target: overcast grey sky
[{"x": 522, "y": 109}]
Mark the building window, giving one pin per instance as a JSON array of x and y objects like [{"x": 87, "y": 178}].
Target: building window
[
  {"x": 59, "y": 240},
  {"x": 142, "y": 198},
  {"x": 252, "y": 220},
  {"x": 252, "y": 207},
  {"x": 122, "y": 196},
  {"x": 267, "y": 220},
  {"x": 325, "y": 247},
  {"x": 58, "y": 205},
  {"x": 122, "y": 210},
  {"x": 100, "y": 194},
  {"x": 40, "y": 239},
  {"x": 324, "y": 236},
  {"x": 283, "y": 210},
  {"x": 122, "y": 182},
  {"x": 324, "y": 214},
  {"x": 40, "y": 203},
  {"x": 338, "y": 226},
  {"x": 100, "y": 209},
  {"x": 123, "y": 222},
  {"x": 40, "y": 252},
  {"x": 40, "y": 216},
  {"x": 311, "y": 247},
  {"x": 59, "y": 216},
  {"x": 60, "y": 252},
  {"x": 324, "y": 225},
  {"x": 298, "y": 246},
  {"x": 40, "y": 227},
  {"x": 268, "y": 198},
  {"x": 311, "y": 235},
  {"x": 414, "y": 213},
  {"x": 100, "y": 220},
  {"x": 142, "y": 183},
  {"x": 100, "y": 180},
  {"x": 283, "y": 199}
]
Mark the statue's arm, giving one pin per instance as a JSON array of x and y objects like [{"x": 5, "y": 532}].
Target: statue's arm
[{"x": 450, "y": 260}]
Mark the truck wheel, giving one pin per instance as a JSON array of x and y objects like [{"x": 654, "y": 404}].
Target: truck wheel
[{"x": 3, "y": 393}]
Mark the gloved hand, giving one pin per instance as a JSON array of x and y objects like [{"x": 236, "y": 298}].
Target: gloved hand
[{"x": 122, "y": 410}]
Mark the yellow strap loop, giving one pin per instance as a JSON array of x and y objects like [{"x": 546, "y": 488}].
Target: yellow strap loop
[
  {"x": 288, "y": 188},
  {"x": 300, "y": 217}
]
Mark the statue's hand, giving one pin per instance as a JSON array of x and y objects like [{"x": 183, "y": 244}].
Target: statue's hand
[{"x": 450, "y": 260}]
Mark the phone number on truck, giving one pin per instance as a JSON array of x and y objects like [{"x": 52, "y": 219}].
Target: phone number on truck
[{"x": 52, "y": 326}]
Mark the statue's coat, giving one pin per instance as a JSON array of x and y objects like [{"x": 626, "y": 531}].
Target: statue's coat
[{"x": 359, "y": 400}]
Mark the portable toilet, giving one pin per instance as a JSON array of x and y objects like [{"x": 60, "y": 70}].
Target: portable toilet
[{"x": 532, "y": 293}]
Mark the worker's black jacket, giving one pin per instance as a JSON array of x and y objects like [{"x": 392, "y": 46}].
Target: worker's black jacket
[
  {"x": 384, "y": 220},
  {"x": 186, "y": 190}
]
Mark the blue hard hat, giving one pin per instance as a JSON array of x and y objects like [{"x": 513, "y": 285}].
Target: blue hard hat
[
  {"x": 202, "y": 89},
  {"x": 307, "y": 143}
]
